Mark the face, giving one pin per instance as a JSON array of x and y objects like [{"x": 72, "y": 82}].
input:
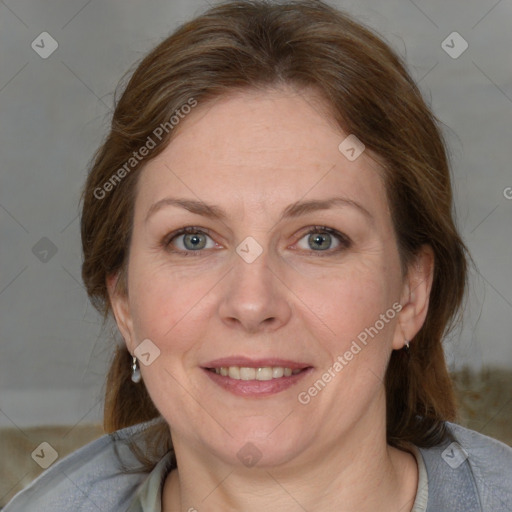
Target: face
[{"x": 282, "y": 276}]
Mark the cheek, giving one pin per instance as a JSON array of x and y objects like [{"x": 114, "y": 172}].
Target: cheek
[
  {"x": 348, "y": 306},
  {"x": 164, "y": 302},
  {"x": 359, "y": 303}
]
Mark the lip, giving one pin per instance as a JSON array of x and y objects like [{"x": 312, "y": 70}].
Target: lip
[
  {"x": 255, "y": 363},
  {"x": 256, "y": 388}
]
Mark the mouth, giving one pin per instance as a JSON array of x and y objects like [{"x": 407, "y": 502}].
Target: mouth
[
  {"x": 259, "y": 373},
  {"x": 255, "y": 378}
]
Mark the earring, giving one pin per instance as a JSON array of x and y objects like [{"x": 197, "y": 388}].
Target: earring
[
  {"x": 406, "y": 347},
  {"x": 135, "y": 371}
]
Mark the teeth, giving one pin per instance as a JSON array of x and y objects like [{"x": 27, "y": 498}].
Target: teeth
[
  {"x": 266, "y": 373},
  {"x": 277, "y": 372},
  {"x": 234, "y": 372},
  {"x": 247, "y": 373}
]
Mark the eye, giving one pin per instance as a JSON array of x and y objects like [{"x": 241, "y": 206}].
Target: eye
[
  {"x": 320, "y": 239},
  {"x": 188, "y": 240}
]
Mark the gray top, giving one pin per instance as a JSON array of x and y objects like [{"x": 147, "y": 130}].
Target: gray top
[
  {"x": 148, "y": 495},
  {"x": 469, "y": 472}
]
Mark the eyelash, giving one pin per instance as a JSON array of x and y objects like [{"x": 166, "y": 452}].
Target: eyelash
[{"x": 344, "y": 240}]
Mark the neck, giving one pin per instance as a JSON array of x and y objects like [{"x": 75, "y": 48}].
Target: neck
[{"x": 356, "y": 472}]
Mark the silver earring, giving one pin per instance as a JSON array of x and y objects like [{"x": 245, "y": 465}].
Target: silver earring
[
  {"x": 135, "y": 370},
  {"x": 406, "y": 347}
]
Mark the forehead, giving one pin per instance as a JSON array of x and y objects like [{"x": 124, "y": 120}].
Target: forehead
[{"x": 260, "y": 148}]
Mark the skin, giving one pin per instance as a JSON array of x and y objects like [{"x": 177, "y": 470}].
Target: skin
[{"x": 253, "y": 153}]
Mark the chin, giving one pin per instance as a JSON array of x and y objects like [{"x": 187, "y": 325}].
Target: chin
[{"x": 262, "y": 447}]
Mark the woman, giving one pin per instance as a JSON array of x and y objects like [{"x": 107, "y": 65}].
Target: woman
[{"x": 269, "y": 221}]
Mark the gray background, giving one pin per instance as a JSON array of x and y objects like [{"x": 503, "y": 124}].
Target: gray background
[{"x": 54, "y": 113}]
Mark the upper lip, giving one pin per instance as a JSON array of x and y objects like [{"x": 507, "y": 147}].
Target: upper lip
[{"x": 255, "y": 363}]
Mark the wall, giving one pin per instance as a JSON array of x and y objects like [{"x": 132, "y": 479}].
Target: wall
[{"x": 54, "y": 112}]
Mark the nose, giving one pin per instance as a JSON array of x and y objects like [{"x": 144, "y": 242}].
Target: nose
[{"x": 254, "y": 299}]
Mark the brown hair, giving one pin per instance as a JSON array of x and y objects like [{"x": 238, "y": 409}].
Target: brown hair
[{"x": 307, "y": 44}]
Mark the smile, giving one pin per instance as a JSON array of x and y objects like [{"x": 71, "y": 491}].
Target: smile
[
  {"x": 248, "y": 373},
  {"x": 256, "y": 381}
]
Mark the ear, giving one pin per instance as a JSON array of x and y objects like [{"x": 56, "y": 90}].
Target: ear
[
  {"x": 118, "y": 296},
  {"x": 415, "y": 297}
]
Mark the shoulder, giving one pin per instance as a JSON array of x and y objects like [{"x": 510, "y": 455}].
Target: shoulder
[
  {"x": 469, "y": 472},
  {"x": 90, "y": 479}
]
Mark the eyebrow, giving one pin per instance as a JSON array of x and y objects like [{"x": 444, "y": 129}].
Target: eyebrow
[{"x": 293, "y": 210}]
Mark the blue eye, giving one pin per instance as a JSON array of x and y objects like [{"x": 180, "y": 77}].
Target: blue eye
[
  {"x": 192, "y": 240},
  {"x": 320, "y": 239}
]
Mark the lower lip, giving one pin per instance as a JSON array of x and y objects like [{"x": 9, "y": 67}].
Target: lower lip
[{"x": 256, "y": 388}]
